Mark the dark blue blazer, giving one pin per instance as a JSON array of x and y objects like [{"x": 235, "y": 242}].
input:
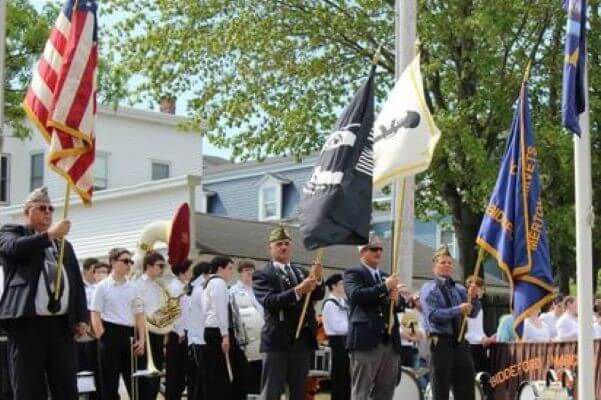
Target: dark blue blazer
[
  {"x": 369, "y": 310},
  {"x": 282, "y": 309},
  {"x": 22, "y": 254}
]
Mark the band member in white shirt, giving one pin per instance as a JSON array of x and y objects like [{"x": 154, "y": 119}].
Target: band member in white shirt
[
  {"x": 87, "y": 273},
  {"x": 475, "y": 336},
  {"x": 535, "y": 330},
  {"x": 223, "y": 354},
  {"x": 116, "y": 310},
  {"x": 550, "y": 317},
  {"x": 176, "y": 354},
  {"x": 196, "y": 332},
  {"x": 151, "y": 292},
  {"x": 101, "y": 271},
  {"x": 567, "y": 324},
  {"x": 335, "y": 322},
  {"x": 251, "y": 312}
]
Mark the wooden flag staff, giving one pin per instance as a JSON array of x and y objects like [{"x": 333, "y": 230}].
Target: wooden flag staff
[{"x": 318, "y": 260}]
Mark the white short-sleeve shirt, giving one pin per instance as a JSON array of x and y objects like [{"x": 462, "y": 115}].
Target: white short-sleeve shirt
[{"x": 117, "y": 302}]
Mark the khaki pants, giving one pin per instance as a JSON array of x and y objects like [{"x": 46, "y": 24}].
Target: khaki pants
[{"x": 374, "y": 373}]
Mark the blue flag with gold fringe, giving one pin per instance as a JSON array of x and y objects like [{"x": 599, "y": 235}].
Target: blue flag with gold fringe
[
  {"x": 513, "y": 230},
  {"x": 573, "y": 96}
]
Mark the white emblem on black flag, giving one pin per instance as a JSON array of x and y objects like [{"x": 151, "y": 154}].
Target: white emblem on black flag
[{"x": 335, "y": 207}]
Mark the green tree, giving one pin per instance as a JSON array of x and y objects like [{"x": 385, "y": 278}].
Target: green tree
[
  {"x": 267, "y": 77},
  {"x": 26, "y": 34}
]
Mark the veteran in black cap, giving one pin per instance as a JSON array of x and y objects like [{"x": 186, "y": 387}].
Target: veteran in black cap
[
  {"x": 280, "y": 286},
  {"x": 41, "y": 326},
  {"x": 444, "y": 303},
  {"x": 374, "y": 346}
]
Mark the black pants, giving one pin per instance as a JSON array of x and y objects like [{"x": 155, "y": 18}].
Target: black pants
[
  {"x": 176, "y": 366},
  {"x": 196, "y": 372},
  {"x": 480, "y": 358},
  {"x": 42, "y": 349},
  {"x": 408, "y": 356},
  {"x": 115, "y": 359},
  {"x": 341, "y": 375},
  {"x": 149, "y": 387},
  {"x": 5, "y": 389},
  {"x": 254, "y": 376},
  {"x": 88, "y": 360},
  {"x": 452, "y": 367},
  {"x": 219, "y": 386}
]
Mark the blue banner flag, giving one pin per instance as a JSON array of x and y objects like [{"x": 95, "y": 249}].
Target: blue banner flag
[
  {"x": 513, "y": 230},
  {"x": 573, "y": 96}
]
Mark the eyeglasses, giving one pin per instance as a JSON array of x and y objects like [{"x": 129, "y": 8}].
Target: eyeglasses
[
  {"x": 45, "y": 208},
  {"x": 375, "y": 249},
  {"x": 127, "y": 261}
]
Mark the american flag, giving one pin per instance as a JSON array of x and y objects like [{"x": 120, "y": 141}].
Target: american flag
[{"x": 61, "y": 99}]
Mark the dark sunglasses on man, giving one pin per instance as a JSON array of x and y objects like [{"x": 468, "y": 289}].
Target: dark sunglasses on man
[
  {"x": 127, "y": 261},
  {"x": 45, "y": 208},
  {"x": 375, "y": 249}
]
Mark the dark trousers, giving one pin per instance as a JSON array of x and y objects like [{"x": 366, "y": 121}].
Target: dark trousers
[
  {"x": 88, "y": 360},
  {"x": 480, "y": 358},
  {"x": 42, "y": 350},
  {"x": 219, "y": 386},
  {"x": 408, "y": 354},
  {"x": 452, "y": 367},
  {"x": 176, "y": 358},
  {"x": 287, "y": 368},
  {"x": 254, "y": 376},
  {"x": 196, "y": 372},
  {"x": 115, "y": 359},
  {"x": 149, "y": 386},
  {"x": 341, "y": 374},
  {"x": 5, "y": 389}
]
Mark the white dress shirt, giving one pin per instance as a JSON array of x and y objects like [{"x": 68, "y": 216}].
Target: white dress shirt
[
  {"x": 533, "y": 333},
  {"x": 567, "y": 327},
  {"x": 215, "y": 301},
  {"x": 550, "y": 319},
  {"x": 117, "y": 302},
  {"x": 89, "y": 288},
  {"x": 597, "y": 330},
  {"x": 335, "y": 317},
  {"x": 245, "y": 294},
  {"x": 196, "y": 315},
  {"x": 176, "y": 288},
  {"x": 41, "y": 296},
  {"x": 150, "y": 292},
  {"x": 475, "y": 329}
]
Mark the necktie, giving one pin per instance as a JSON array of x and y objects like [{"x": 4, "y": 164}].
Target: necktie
[
  {"x": 377, "y": 277},
  {"x": 290, "y": 274},
  {"x": 49, "y": 272}
]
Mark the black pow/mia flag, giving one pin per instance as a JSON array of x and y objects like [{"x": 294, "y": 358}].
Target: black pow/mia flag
[{"x": 335, "y": 206}]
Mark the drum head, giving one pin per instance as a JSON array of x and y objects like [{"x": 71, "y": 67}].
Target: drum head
[
  {"x": 527, "y": 391},
  {"x": 408, "y": 387}
]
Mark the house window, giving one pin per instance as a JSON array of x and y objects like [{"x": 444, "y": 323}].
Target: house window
[
  {"x": 37, "y": 171},
  {"x": 4, "y": 179},
  {"x": 270, "y": 203},
  {"x": 101, "y": 171},
  {"x": 160, "y": 170}
]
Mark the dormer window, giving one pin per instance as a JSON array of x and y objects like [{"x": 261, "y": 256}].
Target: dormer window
[{"x": 270, "y": 197}]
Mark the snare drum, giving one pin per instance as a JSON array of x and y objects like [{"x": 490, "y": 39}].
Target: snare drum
[
  {"x": 408, "y": 388},
  {"x": 479, "y": 393},
  {"x": 85, "y": 384},
  {"x": 530, "y": 390},
  {"x": 321, "y": 365}
]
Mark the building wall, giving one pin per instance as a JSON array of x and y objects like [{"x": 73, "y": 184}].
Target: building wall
[{"x": 132, "y": 139}]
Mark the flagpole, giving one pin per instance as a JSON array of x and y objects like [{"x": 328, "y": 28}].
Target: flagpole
[
  {"x": 584, "y": 251},
  {"x": 2, "y": 63},
  {"x": 405, "y": 39},
  {"x": 61, "y": 256}
]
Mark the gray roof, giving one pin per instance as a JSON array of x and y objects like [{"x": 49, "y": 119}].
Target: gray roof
[{"x": 244, "y": 239}]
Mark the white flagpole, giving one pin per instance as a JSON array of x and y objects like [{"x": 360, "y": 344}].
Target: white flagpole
[
  {"x": 584, "y": 253},
  {"x": 2, "y": 58},
  {"x": 405, "y": 38}
]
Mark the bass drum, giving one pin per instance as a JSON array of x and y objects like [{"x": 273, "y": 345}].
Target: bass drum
[
  {"x": 530, "y": 390},
  {"x": 408, "y": 387},
  {"x": 479, "y": 393}
]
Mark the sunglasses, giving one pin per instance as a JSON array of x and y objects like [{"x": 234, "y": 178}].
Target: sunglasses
[
  {"x": 45, "y": 208},
  {"x": 375, "y": 249},
  {"x": 127, "y": 261},
  {"x": 160, "y": 265}
]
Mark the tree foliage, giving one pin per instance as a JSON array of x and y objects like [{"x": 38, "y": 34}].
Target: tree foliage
[
  {"x": 26, "y": 34},
  {"x": 267, "y": 77}
]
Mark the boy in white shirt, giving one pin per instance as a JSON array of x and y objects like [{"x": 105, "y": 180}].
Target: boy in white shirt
[{"x": 567, "y": 324}]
